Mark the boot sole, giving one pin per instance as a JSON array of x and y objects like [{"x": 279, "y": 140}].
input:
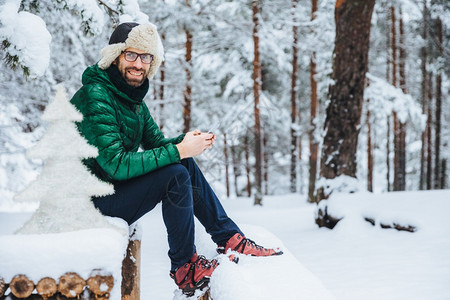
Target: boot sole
[{"x": 199, "y": 285}]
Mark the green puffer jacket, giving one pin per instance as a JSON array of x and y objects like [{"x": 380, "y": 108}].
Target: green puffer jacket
[{"x": 117, "y": 125}]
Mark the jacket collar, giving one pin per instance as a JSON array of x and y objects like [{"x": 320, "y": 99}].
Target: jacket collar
[{"x": 112, "y": 79}]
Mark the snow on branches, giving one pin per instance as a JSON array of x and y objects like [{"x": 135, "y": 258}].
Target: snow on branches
[{"x": 25, "y": 38}]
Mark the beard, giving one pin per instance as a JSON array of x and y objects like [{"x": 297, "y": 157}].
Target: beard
[{"x": 127, "y": 74}]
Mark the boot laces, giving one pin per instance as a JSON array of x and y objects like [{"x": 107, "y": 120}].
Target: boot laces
[
  {"x": 203, "y": 262},
  {"x": 248, "y": 242}
]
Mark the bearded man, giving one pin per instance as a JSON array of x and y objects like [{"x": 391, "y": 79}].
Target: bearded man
[{"x": 117, "y": 121}]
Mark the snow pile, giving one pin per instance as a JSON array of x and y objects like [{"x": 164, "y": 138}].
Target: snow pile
[
  {"x": 275, "y": 277},
  {"x": 403, "y": 208},
  {"x": 51, "y": 255},
  {"x": 278, "y": 277},
  {"x": 28, "y": 36}
]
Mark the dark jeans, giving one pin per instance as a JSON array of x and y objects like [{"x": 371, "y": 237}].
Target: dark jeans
[{"x": 184, "y": 192}]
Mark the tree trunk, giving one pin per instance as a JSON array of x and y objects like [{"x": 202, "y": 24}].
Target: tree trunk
[
  {"x": 161, "y": 90},
  {"x": 247, "y": 165},
  {"x": 429, "y": 174},
  {"x": 293, "y": 171},
  {"x": 443, "y": 173},
  {"x": 235, "y": 158},
  {"x": 256, "y": 93},
  {"x": 313, "y": 143},
  {"x": 369, "y": 152},
  {"x": 342, "y": 123},
  {"x": 394, "y": 47},
  {"x": 395, "y": 121},
  {"x": 437, "y": 121},
  {"x": 402, "y": 125},
  {"x": 396, "y": 135},
  {"x": 225, "y": 155},
  {"x": 388, "y": 153},
  {"x": 300, "y": 167},
  {"x": 188, "y": 89},
  {"x": 424, "y": 84},
  {"x": 353, "y": 19},
  {"x": 388, "y": 121},
  {"x": 266, "y": 164}
]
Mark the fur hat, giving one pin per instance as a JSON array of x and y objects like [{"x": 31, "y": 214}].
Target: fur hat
[{"x": 144, "y": 37}]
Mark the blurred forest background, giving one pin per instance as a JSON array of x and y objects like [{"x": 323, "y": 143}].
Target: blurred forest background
[{"x": 272, "y": 79}]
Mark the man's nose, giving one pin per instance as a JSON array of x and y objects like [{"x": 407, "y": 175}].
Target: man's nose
[{"x": 138, "y": 63}]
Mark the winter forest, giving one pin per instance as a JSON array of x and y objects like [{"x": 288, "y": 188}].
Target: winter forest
[
  {"x": 261, "y": 75},
  {"x": 307, "y": 99}
]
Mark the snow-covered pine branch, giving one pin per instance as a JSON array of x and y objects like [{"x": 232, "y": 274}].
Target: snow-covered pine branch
[{"x": 25, "y": 39}]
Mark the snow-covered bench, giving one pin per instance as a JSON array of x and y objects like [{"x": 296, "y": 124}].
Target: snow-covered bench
[
  {"x": 95, "y": 267},
  {"x": 68, "y": 246}
]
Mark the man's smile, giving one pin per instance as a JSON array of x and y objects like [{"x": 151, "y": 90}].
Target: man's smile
[{"x": 136, "y": 73}]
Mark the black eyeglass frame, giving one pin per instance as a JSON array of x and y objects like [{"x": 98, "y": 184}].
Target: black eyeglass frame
[{"x": 137, "y": 55}]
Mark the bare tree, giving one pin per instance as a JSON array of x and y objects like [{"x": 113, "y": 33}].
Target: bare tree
[
  {"x": 424, "y": 85},
  {"x": 225, "y": 156},
  {"x": 369, "y": 151},
  {"x": 293, "y": 170},
  {"x": 401, "y": 140},
  {"x": 437, "y": 121},
  {"x": 188, "y": 88},
  {"x": 313, "y": 143},
  {"x": 256, "y": 93}
]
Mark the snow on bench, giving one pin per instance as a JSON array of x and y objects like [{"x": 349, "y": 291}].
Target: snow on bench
[{"x": 100, "y": 262}]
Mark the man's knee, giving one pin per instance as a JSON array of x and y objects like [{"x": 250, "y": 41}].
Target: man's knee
[{"x": 180, "y": 189}]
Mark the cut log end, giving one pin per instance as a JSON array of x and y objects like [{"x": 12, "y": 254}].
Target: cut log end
[
  {"x": 21, "y": 286},
  {"x": 71, "y": 285},
  {"x": 100, "y": 285},
  {"x": 3, "y": 287},
  {"x": 46, "y": 287}
]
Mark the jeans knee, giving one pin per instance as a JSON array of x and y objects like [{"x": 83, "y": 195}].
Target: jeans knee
[
  {"x": 179, "y": 191},
  {"x": 180, "y": 174}
]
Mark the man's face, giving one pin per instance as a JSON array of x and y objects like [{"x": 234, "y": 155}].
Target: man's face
[{"x": 134, "y": 72}]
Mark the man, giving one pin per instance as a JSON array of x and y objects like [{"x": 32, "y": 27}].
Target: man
[{"x": 117, "y": 122}]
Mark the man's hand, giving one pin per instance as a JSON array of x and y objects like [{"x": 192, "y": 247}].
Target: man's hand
[{"x": 194, "y": 143}]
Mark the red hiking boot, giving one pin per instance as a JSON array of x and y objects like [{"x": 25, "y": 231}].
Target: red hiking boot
[
  {"x": 241, "y": 244},
  {"x": 195, "y": 274}
]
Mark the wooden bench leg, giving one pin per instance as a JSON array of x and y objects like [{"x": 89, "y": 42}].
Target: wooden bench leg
[{"x": 131, "y": 271}]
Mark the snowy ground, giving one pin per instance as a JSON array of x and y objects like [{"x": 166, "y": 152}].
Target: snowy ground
[{"x": 354, "y": 261}]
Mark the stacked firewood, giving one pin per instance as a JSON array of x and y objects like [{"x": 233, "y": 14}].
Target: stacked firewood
[
  {"x": 69, "y": 285},
  {"x": 72, "y": 286}
]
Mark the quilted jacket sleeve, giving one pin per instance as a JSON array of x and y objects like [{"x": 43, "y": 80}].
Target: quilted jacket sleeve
[
  {"x": 101, "y": 128},
  {"x": 152, "y": 136}
]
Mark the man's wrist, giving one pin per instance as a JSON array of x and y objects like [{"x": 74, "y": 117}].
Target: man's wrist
[{"x": 180, "y": 149}]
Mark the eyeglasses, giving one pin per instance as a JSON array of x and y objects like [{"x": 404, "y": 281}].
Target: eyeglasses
[{"x": 130, "y": 56}]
